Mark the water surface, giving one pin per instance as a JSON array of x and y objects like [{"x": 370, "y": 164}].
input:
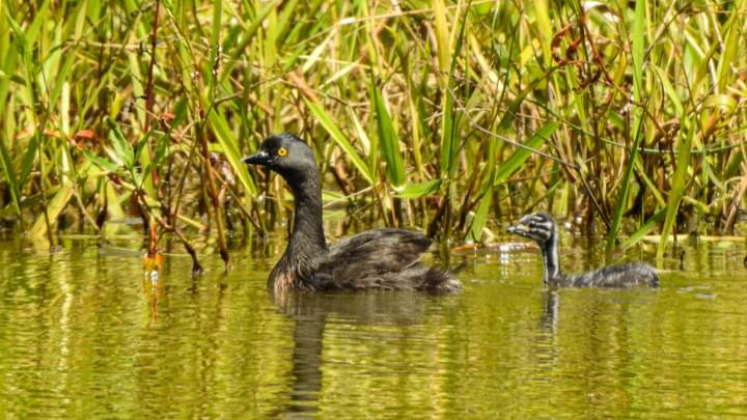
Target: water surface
[{"x": 84, "y": 335}]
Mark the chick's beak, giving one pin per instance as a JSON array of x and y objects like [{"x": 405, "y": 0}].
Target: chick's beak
[
  {"x": 519, "y": 229},
  {"x": 259, "y": 158}
]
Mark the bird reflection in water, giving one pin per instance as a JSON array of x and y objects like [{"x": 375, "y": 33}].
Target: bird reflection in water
[
  {"x": 311, "y": 311},
  {"x": 550, "y": 309}
]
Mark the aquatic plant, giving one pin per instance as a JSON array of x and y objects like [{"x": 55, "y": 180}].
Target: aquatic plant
[{"x": 447, "y": 115}]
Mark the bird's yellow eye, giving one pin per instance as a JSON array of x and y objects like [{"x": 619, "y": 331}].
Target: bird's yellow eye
[{"x": 282, "y": 151}]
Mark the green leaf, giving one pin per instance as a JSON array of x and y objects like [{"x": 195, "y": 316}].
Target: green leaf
[
  {"x": 481, "y": 216},
  {"x": 28, "y": 159},
  {"x": 725, "y": 102},
  {"x": 418, "y": 190},
  {"x": 639, "y": 49},
  {"x": 732, "y": 45},
  {"x": 450, "y": 126},
  {"x": 249, "y": 34},
  {"x": 101, "y": 162},
  {"x": 388, "y": 140},
  {"x": 669, "y": 90},
  {"x": 10, "y": 175},
  {"x": 678, "y": 185},
  {"x": 645, "y": 229},
  {"x": 228, "y": 143},
  {"x": 326, "y": 121},
  {"x": 54, "y": 208},
  {"x": 214, "y": 46},
  {"x": 517, "y": 159},
  {"x": 638, "y": 118},
  {"x": 122, "y": 148},
  {"x": 545, "y": 29}
]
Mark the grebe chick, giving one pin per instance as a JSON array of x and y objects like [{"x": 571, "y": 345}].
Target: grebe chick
[
  {"x": 383, "y": 259},
  {"x": 541, "y": 228}
]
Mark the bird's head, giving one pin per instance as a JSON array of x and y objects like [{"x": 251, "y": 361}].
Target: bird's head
[
  {"x": 539, "y": 227},
  {"x": 285, "y": 154}
]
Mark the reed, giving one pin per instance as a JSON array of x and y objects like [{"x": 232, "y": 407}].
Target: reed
[{"x": 445, "y": 115}]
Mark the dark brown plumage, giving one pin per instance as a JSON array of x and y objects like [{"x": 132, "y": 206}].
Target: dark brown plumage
[{"x": 383, "y": 259}]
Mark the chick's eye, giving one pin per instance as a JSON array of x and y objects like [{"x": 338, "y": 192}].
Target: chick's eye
[{"x": 282, "y": 151}]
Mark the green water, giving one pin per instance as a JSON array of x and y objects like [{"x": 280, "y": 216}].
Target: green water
[{"x": 83, "y": 335}]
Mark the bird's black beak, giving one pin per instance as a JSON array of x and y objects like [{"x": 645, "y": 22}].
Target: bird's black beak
[
  {"x": 259, "y": 158},
  {"x": 519, "y": 229}
]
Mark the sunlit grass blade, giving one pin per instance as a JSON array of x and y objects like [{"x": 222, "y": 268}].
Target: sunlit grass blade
[
  {"x": 248, "y": 36},
  {"x": 644, "y": 230},
  {"x": 54, "y": 208},
  {"x": 545, "y": 30},
  {"x": 418, "y": 190},
  {"x": 669, "y": 90},
  {"x": 678, "y": 185},
  {"x": 212, "y": 63},
  {"x": 517, "y": 159},
  {"x": 451, "y": 119},
  {"x": 639, "y": 26},
  {"x": 122, "y": 148},
  {"x": 388, "y": 140},
  {"x": 442, "y": 35},
  {"x": 481, "y": 216},
  {"x": 334, "y": 131},
  {"x": 230, "y": 150},
  {"x": 732, "y": 45},
  {"x": 505, "y": 169},
  {"x": 9, "y": 174},
  {"x": 136, "y": 78}
]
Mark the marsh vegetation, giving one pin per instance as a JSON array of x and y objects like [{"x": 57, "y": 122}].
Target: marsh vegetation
[{"x": 439, "y": 114}]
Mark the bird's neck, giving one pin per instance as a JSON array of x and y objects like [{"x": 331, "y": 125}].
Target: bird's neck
[
  {"x": 551, "y": 259},
  {"x": 307, "y": 238}
]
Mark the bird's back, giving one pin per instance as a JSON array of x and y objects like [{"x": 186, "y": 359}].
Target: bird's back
[
  {"x": 385, "y": 259},
  {"x": 618, "y": 275}
]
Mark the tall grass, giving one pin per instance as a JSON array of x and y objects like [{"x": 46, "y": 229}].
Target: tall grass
[{"x": 446, "y": 115}]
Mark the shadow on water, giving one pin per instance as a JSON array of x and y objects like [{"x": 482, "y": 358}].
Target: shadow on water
[{"x": 310, "y": 313}]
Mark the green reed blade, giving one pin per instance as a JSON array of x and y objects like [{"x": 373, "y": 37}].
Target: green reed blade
[
  {"x": 334, "y": 131},
  {"x": 451, "y": 120},
  {"x": 122, "y": 148},
  {"x": 54, "y": 208},
  {"x": 639, "y": 25},
  {"x": 678, "y": 184},
  {"x": 517, "y": 159},
  {"x": 420, "y": 189},
  {"x": 137, "y": 85},
  {"x": 644, "y": 230},
  {"x": 101, "y": 162},
  {"x": 388, "y": 140},
  {"x": 285, "y": 19},
  {"x": 226, "y": 139},
  {"x": 211, "y": 66},
  {"x": 545, "y": 30},
  {"x": 28, "y": 160},
  {"x": 10, "y": 175},
  {"x": 249, "y": 36},
  {"x": 481, "y": 215},
  {"x": 504, "y": 171},
  {"x": 648, "y": 182},
  {"x": 731, "y": 46},
  {"x": 669, "y": 90}
]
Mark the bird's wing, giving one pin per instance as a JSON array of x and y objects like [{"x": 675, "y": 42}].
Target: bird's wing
[
  {"x": 623, "y": 275},
  {"x": 370, "y": 259}
]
